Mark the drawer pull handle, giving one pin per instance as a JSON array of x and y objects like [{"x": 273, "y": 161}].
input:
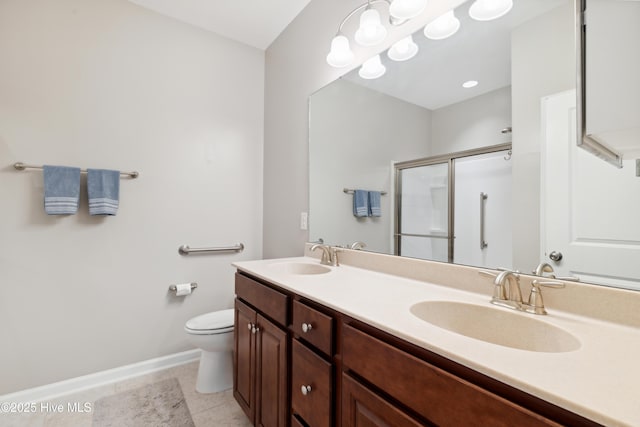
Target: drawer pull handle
[
  {"x": 306, "y": 389},
  {"x": 306, "y": 327}
]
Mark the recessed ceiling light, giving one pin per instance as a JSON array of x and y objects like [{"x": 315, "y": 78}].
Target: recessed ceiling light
[{"x": 469, "y": 84}]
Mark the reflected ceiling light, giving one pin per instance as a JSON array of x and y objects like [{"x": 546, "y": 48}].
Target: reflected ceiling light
[
  {"x": 372, "y": 68},
  {"x": 403, "y": 49},
  {"x": 371, "y": 31},
  {"x": 406, "y": 9},
  {"x": 486, "y": 10},
  {"x": 442, "y": 27},
  {"x": 469, "y": 84},
  {"x": 340, "y": 54}
]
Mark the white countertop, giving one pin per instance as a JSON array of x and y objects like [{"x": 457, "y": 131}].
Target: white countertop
[{"x": 600, "y": 380}]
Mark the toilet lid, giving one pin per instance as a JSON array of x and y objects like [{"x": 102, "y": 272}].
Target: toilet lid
[{"x": 215, "y": 320}]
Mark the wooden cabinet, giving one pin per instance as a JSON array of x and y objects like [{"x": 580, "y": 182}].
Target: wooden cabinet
[
  {"x": 261, "y": 354},
  {"x": 363, "y": 408},
  {"x": 437, "y": 396},
  {"x": 301, "y": 364}
]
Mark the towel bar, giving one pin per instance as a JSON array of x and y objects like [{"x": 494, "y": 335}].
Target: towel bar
[
  {"x": 22, "y": 166},
  {"x": 186, "y": 250},
  {"x": 350, "y": 191}
]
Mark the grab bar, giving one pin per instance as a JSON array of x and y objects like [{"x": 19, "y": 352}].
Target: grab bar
[
  {"x": 483, "y": 199},
  {"x": 186, "y": 250}
]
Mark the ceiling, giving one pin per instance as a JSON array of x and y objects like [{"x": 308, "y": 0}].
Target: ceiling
[
  {"x": 256, "y": 23},
  {"x": 478, "y": 51}
]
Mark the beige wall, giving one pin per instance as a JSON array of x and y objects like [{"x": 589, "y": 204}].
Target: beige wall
[
  {"x": 543, "y": 62},
  {"x": 295, "y": 68},
  {"x": 95, "y": 83}
]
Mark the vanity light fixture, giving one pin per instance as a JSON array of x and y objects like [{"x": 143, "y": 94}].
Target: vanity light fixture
[
  {"x": 340, "y": 54},
  {"x": 486, "y": 10},
  {"x": 403, "y": 49},
  {"x": 372, "y": 68},
  {"x": 406, "y": 9},
  {"x": 442, "y": 27},
  {"x": 371, "y": 31},
  {"x": 469, "y": 84}
]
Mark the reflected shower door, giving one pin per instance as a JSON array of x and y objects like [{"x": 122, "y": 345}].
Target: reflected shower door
[
  {"x": 482, "y": 210},
  {"x": 422, "y": 228}
]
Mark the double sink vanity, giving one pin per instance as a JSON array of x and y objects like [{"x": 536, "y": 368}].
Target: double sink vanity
[{"x": 385, "y": 341}]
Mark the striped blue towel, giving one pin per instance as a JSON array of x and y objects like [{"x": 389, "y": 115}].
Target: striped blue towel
[
  {"x": 360, "y": 203},
  {"x": 374, "y": 203},
  {"x": 103, "y": 187},
  {"x": 61, "y": 189}
]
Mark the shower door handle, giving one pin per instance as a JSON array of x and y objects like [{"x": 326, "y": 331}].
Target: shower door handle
[{"x": 483, "y": 199}]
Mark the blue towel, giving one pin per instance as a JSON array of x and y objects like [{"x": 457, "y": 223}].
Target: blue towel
[
  {"x": 360, "y": 203},
  {"x": 104, "y": 191},
  {"x": 61, "y": 189},
  {"x": 374, "y": 203}
]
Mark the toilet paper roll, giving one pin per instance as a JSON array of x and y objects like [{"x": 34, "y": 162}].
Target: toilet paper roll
[{"x": 183, "y": 289}]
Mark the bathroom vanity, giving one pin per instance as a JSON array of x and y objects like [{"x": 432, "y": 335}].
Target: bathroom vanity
[{"x": 337, "y": 346}]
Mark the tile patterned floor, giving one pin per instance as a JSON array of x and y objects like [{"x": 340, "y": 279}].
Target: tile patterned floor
[{"x": 207, "y": 410}]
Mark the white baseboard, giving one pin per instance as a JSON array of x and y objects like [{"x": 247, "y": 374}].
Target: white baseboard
[{"x": 74, "y": 385}]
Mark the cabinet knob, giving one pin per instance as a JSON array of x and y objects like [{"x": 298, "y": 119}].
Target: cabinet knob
[
  {"x": 249, "y": 326},
  {"x": 255, "y": 329},
  {"x": 306, "y": 327},
  {"x": 305, "y": 389}
]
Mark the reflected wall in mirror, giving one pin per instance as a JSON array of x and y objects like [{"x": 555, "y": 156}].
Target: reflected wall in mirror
[{"x": 524, "y": 63}]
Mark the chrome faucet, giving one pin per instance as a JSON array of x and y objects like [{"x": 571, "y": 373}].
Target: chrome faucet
[
  {"x": 507, "y": 290},
  {"x": 542, "y": 268},
  {"x": 329, "y": 255},
  {"x": 357, "y": 245},
  {"x": 507, "y": 293}
]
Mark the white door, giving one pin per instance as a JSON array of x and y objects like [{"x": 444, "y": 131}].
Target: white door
[{"x": 590, "y": 209}]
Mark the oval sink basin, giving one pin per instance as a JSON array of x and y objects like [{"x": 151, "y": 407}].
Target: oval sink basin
[
  {"x": 304, "y": 268},
  {"x": 496, "y": 326}
]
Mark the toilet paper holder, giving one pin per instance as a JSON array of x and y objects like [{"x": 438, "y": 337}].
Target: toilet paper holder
[{"x": 173, "y": 288}]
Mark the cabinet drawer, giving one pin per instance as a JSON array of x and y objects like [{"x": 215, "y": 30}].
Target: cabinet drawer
[
  {"x": 362, "y": 407},
  {"x": 313, "y": 326},
  {"x": 267, "y": 300},
  {"x": 310, "y": 370},
  {"x": 440, "y": 397}
]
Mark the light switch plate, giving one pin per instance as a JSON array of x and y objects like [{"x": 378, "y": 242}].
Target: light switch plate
[{"x": 304, "y": 220}]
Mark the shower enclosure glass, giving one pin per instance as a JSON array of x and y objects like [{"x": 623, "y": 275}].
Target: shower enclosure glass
[{"x": 456, "y": 208}]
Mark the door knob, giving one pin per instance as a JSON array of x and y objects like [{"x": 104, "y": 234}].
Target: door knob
[{"x": 555, "y": 256}]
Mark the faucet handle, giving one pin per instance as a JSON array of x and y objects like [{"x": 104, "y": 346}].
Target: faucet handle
[
  {"x": 499, "y": 291},
  {"x": 536, "y": 304}
]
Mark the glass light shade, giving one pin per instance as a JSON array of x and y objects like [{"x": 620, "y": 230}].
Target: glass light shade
[
  {"x": 442, "y": 27},
  {"x": 469, "y": 84},
  {"x": 403, "y": 49},
  {"x": 340, "y": 54},
  {"x": 372, "y": 68},
  {"x": 486, "y": 10},
  {"x": 407, "y": 9},
  {"x": 371, "y": 31}
]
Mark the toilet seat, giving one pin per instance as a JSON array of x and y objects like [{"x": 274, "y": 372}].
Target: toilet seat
[{"x": 216, "y": 322}]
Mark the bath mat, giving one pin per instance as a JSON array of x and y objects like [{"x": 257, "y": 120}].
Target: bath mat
[{"x": 157, "y": 404}]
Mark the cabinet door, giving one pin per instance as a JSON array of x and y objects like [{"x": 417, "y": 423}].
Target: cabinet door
[
  {"x": 362, "y": 408},
  {"x": 244, "y": 360},
  {"x": 271, "y": 375}
]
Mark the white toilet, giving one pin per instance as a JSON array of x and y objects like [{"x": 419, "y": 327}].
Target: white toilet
[{"x": 213, "y": 333}]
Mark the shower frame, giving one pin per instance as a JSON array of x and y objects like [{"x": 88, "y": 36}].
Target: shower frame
[{"x": 427, "y": 161}]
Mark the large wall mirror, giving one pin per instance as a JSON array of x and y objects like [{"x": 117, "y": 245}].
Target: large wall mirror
[{"x": 487, "y": 174}]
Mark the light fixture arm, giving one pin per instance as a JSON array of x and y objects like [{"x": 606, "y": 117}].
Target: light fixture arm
[{"x": 365, "y": 6}]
